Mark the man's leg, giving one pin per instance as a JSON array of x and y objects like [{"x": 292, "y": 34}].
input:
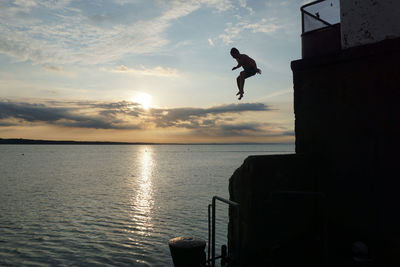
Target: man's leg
[
  {"x": 240, "y": 82},
  {"x": 239, "y": 85},
  {"x": 242, "y": 78}
]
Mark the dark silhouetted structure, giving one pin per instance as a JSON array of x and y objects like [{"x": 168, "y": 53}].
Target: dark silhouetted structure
[{"x": 333, "y": 202}]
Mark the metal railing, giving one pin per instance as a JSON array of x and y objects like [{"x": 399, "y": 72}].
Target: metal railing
[
  {"x": 211, "y": 224},
  {"x": 316, "y": 16}
]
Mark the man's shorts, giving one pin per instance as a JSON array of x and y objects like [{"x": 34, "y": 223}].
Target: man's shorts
[{"x": 250, "y": 72}]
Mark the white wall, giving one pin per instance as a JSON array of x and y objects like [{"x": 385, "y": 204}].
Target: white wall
[{"x": 369, "y": 21}]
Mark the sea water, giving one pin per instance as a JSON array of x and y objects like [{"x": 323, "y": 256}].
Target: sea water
[{"x": 115, "y": 205}]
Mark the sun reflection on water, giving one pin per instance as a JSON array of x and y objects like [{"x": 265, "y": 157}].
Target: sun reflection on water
[{"x": 142, "y": 202}]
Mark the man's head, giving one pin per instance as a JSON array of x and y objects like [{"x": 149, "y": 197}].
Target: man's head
[{"x": 234, "y": 52}]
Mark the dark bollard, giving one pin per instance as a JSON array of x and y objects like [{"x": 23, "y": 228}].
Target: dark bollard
[
  {"x": 187, "y": 251},
  {"x": 361, "y": 255}
]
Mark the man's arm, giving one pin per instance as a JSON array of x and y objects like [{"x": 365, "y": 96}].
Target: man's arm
[{"x": 238, "y": 65}]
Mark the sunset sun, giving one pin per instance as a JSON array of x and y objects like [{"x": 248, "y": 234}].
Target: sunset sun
[{"x": 143, "y": 99}]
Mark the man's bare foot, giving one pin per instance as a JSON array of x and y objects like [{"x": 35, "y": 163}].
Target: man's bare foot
[
  {"x": 238, "y": 93},
  {"x": 240, "y": 97}
]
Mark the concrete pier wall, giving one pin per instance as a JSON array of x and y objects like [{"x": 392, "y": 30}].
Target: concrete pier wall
[
  {"x": 347, "y": 124},
  {"x": 265, "y": 224},
  {"x": 347, "y": 114}
]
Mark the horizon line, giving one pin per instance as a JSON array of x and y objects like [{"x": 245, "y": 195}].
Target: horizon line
[{"x": 23, "y": 141}]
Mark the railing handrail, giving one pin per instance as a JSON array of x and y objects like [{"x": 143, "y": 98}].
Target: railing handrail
[
  {"x": 230, "y": 203},
  {"x": 303, "y": 11},
  {"x": 311, "y": 4}
]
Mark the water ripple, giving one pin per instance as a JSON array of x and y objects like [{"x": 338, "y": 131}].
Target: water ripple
[{"x": 109, "y": 205}]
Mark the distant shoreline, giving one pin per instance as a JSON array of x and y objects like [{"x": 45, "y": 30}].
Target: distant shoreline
[
  {"x": 15, "y": 141},
  {"x": 21, "y": 141}
]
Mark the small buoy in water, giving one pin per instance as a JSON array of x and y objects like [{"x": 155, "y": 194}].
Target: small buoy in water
[{"x": 23, "y": 154}]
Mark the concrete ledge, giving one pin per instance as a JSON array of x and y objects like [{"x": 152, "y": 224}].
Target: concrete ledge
[
  {"x": 265, "y": 224},
  {"x": 390, "y": 46}
]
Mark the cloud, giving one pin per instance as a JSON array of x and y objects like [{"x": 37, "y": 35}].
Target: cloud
[
  {"x": 178, "y": 9},
  {"x": 202, "y": 117},
  {"x": 220, "y": 121},
  {"x": 220, "y": 5},
  {"x": 63, "y": 34},
  {"x": 25, "y": 3},
  {"x": 278, "y": 93},
  {"x": 215, "y": 121},
  {"x": 242, "y": 129},
  {"x": 68, "y": 114},
  {"x": 68, "y": 36},
  {"x": 53, "y": 68},
  {"x": 243, "y": 4},
  {"x": 156, "y": 71},
  {"x": 235, "y": 31},
  {"x": 251, "y": 129},
  {"x": 289, "y": 133}
]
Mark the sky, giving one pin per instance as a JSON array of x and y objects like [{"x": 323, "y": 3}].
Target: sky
[{"x": 147, "y": 70}]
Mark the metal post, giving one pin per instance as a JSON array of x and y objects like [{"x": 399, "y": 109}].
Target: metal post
[
  {"x": 237, "y": 253},
  {"x": 209, "y": 232},
  {"x": 213, "y": 233},
  {"x": 303, "y": 11},
  {"x": 236, "y": 205}
]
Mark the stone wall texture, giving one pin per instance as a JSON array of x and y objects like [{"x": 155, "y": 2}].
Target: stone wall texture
[{"x": 369, "y": 21}]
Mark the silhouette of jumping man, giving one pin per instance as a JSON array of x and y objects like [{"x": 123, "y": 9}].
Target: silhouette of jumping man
[{"x": 249, "y": 66}]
